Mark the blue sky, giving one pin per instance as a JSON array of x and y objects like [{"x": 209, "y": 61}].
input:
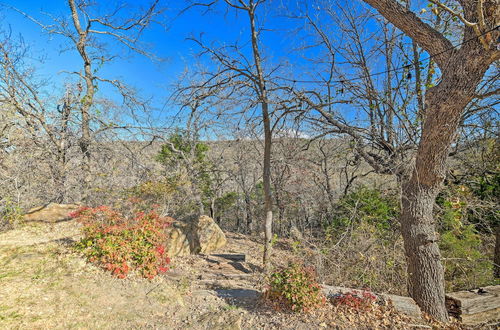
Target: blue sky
[
  {"x": 151, "y": 78},
  {"x": 168, "y": 42}
]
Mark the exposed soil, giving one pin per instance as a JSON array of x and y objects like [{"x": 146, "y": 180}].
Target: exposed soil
[{"x": 45, "y": 284}]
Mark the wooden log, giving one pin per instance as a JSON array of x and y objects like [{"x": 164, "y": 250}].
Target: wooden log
[
  {"x": 475, "y": 306},
  {"x": 489, "y": 316},
  {"x": 405, "y": 305}
]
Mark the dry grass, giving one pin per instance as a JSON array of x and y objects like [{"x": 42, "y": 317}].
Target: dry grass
[{"x": 44, "y": 285}]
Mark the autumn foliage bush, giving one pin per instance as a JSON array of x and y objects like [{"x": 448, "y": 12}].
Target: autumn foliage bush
[
  {"x": 294, "y": 288},
  {"x": 358, "y": 300},
  {"x": 120, "y": 244}
]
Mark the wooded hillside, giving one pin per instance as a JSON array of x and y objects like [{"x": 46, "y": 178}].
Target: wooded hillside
[{"x": 360, "y": 136}]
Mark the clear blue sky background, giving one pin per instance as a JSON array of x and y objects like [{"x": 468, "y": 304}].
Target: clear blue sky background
[{"x": 154, "y": 80}]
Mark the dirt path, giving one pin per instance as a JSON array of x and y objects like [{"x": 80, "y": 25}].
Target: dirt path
[{"x": 44, "y": 284}]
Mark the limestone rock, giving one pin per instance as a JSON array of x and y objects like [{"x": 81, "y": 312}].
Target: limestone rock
[
  {"x": 51, "y": 213},
  {"x": 210, "y": 236},
  {"x": 474, "y": 307},
  {"x": 178, "y": 243},
  {"x": 201, "y": 236},
  {"x": 405, "y": 305}
]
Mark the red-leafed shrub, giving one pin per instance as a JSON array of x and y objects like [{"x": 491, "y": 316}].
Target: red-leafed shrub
[
  {"x": 294, "y": 288},
  {"x": 358, "y": 300},
  {"x": 120, "y": 244}
]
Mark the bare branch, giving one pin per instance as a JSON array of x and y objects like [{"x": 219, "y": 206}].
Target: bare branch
[{"x": 405, "y": 20}]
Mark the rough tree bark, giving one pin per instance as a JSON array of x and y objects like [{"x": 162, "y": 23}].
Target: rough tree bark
[
  {"x": 462, "y": 70},
  {"x": 62, "y": 151},
  {"x": 266, "y": 176},
  {"x": 87, "y": 100},
  {"x": 444, "y": 105}
]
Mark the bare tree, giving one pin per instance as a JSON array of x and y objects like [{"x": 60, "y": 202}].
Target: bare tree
[
  {"x": 183, "y": 149},
  {"x": 247, "y": 75},
  {"x": 245, "y": 174},
  {"x": 86, "y": 32},
  {"x": 46, "y": 121}
]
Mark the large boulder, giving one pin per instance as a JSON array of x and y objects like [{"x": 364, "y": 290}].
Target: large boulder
[
  {"x": 178, "y": 241},
  {"x": 51, "y": 213},
  {"x": 210, "y": 236},
  {"x": 201, "y": 236}
]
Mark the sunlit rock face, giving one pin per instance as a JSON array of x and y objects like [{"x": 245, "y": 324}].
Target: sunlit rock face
[
  {"x": 201, "y": 236},
  {"x": 51, "y": 213}
]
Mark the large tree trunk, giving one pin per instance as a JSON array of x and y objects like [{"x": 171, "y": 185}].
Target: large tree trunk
[
  {"x": 462, "y": 69},
  {"x": 445, "y": 104},
  {"x": 87, "y": 100},
  {"x": 425, "y": 271}
]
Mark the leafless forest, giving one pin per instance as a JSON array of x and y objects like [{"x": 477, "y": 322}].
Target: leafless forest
[{"x": 369, "y": 138}]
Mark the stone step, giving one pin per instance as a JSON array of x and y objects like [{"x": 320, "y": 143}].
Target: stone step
[
  {"x": 231, "y": 276},
  {"x": 230, "y": 256},
  {"x": 230, "y": 267}
]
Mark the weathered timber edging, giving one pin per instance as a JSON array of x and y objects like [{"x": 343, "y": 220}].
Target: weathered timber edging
[
  {"x": 475, "y": 306},
  {"x": 471, "y": 307}
]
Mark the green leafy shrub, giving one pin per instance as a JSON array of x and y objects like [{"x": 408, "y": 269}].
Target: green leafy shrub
[
  {"x": 294, "y": 288},
  {"x": 224, "y": 203},
  {"x": 120, "y": 244},
  {"x": 466, "y": 265},
  {"x": 180, "y": 144},
  {"x": 365, "y": 206},
  {"x": 188, "y": 167},
  {"x": 11, "y": 214}
]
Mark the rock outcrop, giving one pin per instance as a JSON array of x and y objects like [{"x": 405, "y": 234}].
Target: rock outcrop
[
  {"x": 201, "y": 236},
  {"x": 51, "y": 213},
  {"x": 179, "y": 242}
]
